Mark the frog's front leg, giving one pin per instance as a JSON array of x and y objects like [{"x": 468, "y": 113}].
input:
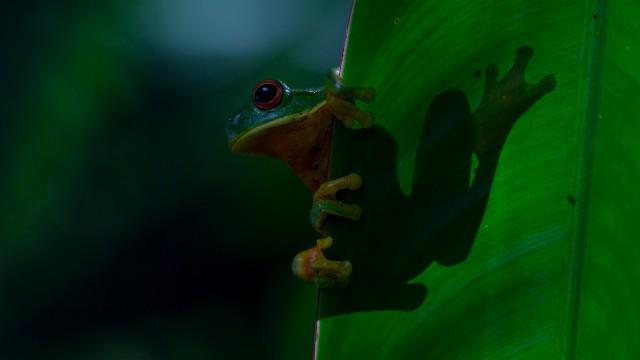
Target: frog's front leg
[
  {"x": 325, "y": 203},
  {"x": 341, "y": 103},
  {"x": 340, "y": 100}
]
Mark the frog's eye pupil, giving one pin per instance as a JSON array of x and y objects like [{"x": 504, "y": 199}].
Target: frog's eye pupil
[{"x": 267, "y": 94}]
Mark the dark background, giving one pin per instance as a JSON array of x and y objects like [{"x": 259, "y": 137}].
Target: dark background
[{"x": 127, "y": 228}]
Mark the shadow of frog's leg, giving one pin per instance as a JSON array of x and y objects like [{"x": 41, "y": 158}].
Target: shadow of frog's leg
[
  {"x": 341, "y": 101},
  {"x": 324, "y": 202},
  {"x": 311, "y": 265},
  {"x": 504, "y": 101}
]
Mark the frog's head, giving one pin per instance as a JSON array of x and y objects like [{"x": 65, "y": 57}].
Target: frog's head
[{"x": 273, "y": 106}]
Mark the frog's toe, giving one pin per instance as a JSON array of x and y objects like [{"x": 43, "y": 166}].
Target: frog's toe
[
  {"x": 352, "y": 181},
  {"x": 366, "y": 119},
  {"x": 311, "y": 265},
  {"x": 325, "y": 203},
  {"x": 348, "y": 113},
  {"x": 324, "y": 207},
  {"x": 331, "y": 273}
]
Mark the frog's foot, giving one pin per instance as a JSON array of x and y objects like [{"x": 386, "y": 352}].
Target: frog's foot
[
  {"x": 341, "y": 100},
  {"x": 324, "y": 202},
  {"x": 311, "y": 265},
  {"x": 504, "y": 101}
]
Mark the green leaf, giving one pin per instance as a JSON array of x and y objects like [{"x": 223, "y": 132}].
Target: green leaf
[{"x": 537, "y": 261}]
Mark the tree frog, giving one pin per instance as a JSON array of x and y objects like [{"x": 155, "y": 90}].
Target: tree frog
[{"x": 294, "y": 125}]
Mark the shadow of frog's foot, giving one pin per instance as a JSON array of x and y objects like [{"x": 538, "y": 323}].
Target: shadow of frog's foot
[{"x": 504, "y": 101}]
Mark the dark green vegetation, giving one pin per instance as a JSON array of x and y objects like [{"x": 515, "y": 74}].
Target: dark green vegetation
[
  {"x": 551, "y": 272},
  {"x": 128, "y": 230}
]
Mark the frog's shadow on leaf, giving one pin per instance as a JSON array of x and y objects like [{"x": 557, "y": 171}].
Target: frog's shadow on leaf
[{"x": 400, "y": 236}]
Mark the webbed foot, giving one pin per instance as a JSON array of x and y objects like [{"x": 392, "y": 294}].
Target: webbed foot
[
  {"x": 341, "y": 100},
  {"x": 311, "y": 265},
  {"x": 504, "y": 101},
  {"x": 325, "y": 203}
]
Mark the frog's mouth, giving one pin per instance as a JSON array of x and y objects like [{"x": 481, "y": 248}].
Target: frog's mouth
[
  {"x": 269, "y": 137},
  {"x": 249, "y": 140}
]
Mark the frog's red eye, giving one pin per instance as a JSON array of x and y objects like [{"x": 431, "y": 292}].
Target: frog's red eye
[{"x": 267, "y": 94}]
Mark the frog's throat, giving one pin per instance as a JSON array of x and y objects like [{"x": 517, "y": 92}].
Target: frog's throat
[{"x": 251, "y": 136}]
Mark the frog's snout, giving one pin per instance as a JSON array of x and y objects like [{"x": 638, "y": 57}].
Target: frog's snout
[
  {"x": 234, "y": 119},
  {"x": 232, "y": 125}
]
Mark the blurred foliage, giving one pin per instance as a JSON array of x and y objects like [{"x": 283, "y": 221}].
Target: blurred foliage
[{"x": 127, "y": 228}]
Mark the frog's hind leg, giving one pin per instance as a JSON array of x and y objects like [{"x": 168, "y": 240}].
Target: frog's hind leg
[
  {"x": 311, "y": 265},
  {"x": 341, "y": 100},
  {"x": 324, "y": 202}
]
